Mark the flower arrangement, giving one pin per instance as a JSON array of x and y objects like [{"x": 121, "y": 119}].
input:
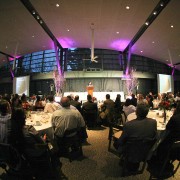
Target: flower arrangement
[{"x": 165, "y": 105}]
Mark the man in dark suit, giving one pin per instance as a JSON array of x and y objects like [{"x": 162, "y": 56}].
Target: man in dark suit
[
  {"x": 109, "y": 108},
  {"x": 142, "y": 128},
  {"x": 90, "y": 111},
  {"x": 76, "y": 103}
]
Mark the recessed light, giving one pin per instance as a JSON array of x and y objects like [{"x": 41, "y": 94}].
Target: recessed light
[
  {"x": 117, "y": 32},
  {"x": 167, "y": 60},
  {"x": 68, "y": 30},
  {"x": 34, "y": 12},
  {"x": 127, "y": 7},
  {"x": 37, "y": 17},
  {"x": 41, "y": 21},
  {"x": 57, "y": 5},
  {"x": 146, "y": 23},
  {"x": 141, "y": 51},
  {"x": 6, "y": 47},
  {"x": 155, "y": 12},
  {"x": 33, "y": 36},
  {"x": 161, "y": 4},
  {"x": 172, "y": 26},
  {"x": 153, "y": 42}
]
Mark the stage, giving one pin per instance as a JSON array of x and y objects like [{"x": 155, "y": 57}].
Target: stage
[{"x": 100, "y": 96}]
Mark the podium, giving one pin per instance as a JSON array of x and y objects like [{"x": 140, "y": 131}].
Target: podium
[{"x": 90, "y": 90}]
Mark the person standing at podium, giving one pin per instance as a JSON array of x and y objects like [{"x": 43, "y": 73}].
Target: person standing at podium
[{"x": 90, "y": 84}]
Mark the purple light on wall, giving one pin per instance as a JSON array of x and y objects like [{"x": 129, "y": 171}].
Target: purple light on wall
[{"x": 119, "y": 44}]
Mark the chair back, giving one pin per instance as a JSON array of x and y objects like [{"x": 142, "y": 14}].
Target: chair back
[
  {"x": 137, "y": 150},
  {"x": 10, "y": 157}
]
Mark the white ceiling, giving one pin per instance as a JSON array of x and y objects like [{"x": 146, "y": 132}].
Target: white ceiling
[{"x": 109, "y": 16}]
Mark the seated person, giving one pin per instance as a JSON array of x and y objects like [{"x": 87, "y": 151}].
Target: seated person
[
  {"x": 27, "y": 140},
  {"x": 24, "y": 101},
  {"x": 128, "y": 108},
  {"x": 51, "y": 106},
  {"x": 38, "y": 103},
  {"x": 141, "y": 128},
  {"x": 108, "y": 105},
  {"x": 66, "y": 118},
  {"x": 89, "y": 111},
  {"x": 76, "y": 103},
  {"x": 5, "y": 117}
]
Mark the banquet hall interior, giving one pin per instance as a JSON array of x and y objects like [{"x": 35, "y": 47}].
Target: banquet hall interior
[{"x": 56, "y": 47}]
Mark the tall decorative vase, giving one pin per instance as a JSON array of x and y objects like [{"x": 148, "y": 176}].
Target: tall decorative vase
[{"x": 164, "y": 115}]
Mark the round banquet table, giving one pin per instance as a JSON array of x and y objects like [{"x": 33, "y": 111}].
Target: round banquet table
[{"x": 41, "y": 121}]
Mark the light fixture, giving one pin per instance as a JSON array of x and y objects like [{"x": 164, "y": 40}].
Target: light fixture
[
  {"x": 155, "y": 12},
  {"x": 147, "y": 23},
  {"x": 161, "y": 4},
  {"x": 117, "y": 32},
  {"x": 141, "y": 51},
  {"x": 34, "y": 12},
  {"x": 167, "y": 60},
  {"x": 57, "y": 5},
  {"x": 68, "y": 30},
  {"x": 37, "y": 17},
  {"x": 41, "y": 21},
  {"x": 153, "y": 42},
  {"x": 127, "y": 7},
  {"x": 6, "y": 47},
  {"x": 33, "y": 36},
  {"x": 172, "y": 26}
]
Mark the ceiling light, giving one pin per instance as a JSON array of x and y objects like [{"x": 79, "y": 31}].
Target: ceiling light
[
  {"x": 153, "y": 42},
  {"x": 167, "y": 60},
  {"x": 127, "y": 7},
  {"x": 117, "y": 32},
  {"x": 155, "y": 12},
  {"x": 37, "y": 17},
  {"x": 57, "y": 5},
  {"x": 32, "y": 36},
  {"x": 172, "y": 26},
  {"x": 68, "y": 30},
  {"x": 161, "y": 4},
  {"x": 6, "y": 47},
  {"x": 141, "y": 51},
  {"x": 41, "y": 21},
  {"x": 34, "y": 12},
  {"x": 146, "y": 23}
]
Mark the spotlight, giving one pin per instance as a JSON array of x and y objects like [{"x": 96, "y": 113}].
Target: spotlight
[
  {"x": 37, "y": 17},
  {"x": 146, "y": 23},
  {"x": 34, "y": 12},
  {"x": 41, "y": 21},
  {"x": 161, "y": 4},
  {"x": 155, "y": 12}
]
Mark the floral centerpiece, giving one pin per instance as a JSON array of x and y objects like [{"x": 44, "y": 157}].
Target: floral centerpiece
[{"x": 165, "y": 105}]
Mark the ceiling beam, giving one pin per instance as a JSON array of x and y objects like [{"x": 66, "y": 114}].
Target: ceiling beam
[
  {"x": 41, "y": 22},
  {"x": 6, "y": 54},
  {"x": 154, "y": 14}
]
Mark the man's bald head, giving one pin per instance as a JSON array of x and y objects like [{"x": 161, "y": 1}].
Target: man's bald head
[{"x": 65, "y": 102}]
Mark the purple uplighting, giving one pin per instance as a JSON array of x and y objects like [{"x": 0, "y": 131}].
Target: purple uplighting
[
  {"x": 66, "y": 42},
  {"x": 11, "y": 59},
  {"x": 119, "y": 44}
]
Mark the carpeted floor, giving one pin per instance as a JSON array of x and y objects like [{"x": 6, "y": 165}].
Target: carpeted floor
[{"x": 97, "y": 162}]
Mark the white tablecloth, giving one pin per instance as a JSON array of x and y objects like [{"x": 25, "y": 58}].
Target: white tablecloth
[
  {"x": 39, "y": 120},
  {"x": 154, "y": 114}
]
